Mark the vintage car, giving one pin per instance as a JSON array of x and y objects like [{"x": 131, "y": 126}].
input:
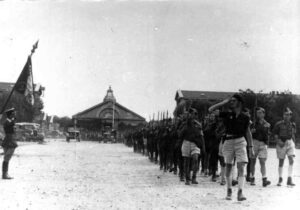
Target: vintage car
[
  {"x": 72, "y": 134},
  {"x": 29, "y": 132}
]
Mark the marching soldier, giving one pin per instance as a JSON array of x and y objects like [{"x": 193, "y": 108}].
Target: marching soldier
[
  {"x": 192, "y": 136},
  {"x": 260, "y": 133},
  {"x": 237, "y": 126},
  {"x": 284, "y": 133},
  {"x": 9, "y": 144}
]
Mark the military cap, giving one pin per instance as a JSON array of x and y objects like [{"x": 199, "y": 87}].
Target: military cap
[
  {"x": 238, "y": 97},
  {"x": 9, "y": 111},
  {"x": 260, "y": 109}
]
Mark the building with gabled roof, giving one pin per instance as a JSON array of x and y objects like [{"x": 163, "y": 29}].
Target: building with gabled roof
[
  {"x": 108, "y": 113},
  {"x": 201, "y": 95}
]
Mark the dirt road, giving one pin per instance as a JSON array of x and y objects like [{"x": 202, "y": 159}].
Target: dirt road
[{"x": 91, "y": 176}]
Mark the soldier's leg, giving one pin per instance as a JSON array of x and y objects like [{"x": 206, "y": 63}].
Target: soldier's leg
[
  {"x": 222, "y": 174},
  {"x": 8, "y": 153},
  {"x": 194, "y": 168},
  {"x": 214, "y": 163},
  {"x": 175, "y": 161},
  {"x": 187, "y": 173},
  {"x": 290, "y": 171},
  {"x": 228, "y": 153},
  {"x": 165, "y": 158},
  {"x": 240, "y": 149},
  {"x": 156, "y": 152},
  {"x": 252, "y": 170}
]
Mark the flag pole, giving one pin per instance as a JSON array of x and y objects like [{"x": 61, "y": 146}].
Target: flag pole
[{"x": 14, "y": 87}]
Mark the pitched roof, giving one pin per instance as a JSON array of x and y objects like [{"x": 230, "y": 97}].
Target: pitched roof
[
  {"x": 102, "y": 104},
  {"x": 202, "y": 95}
]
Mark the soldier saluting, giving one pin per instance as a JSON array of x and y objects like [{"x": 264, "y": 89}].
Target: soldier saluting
[
  {"x": 284, "y": 133},
  {"x": 9, "y": 144}
]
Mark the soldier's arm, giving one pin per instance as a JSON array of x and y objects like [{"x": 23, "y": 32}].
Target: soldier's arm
[
  {"x": 294, "y": 132},
  {"x": 249, "y": 137},
  {"x": 218, "y": 105},
  {"x": 203, "y": 143}
]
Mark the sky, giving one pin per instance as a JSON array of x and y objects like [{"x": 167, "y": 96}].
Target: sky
[{"x": 147, "y": 50}]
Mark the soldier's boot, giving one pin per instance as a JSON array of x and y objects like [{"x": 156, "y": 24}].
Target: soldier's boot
[
  {"x": 194, "y": 181},
  {"x": 214, "y": 177},
  {"x": 279, "y": 182},
  {"x": 223, "y": 181},
  {"x": 240, "y": 196},
  {"x": 175, "y": 171},
  {"x": 181, "y": 178},
  {"x": 5, "y": 170},
  {"x": 290, "y": 182},
  {"x": 229, "y": 194},
  {"x": 187, "y": 171},
  {"x": 265, "y": 182},
  {"x": 252, "y": 181},
  {"x": 195, "y": 170}
]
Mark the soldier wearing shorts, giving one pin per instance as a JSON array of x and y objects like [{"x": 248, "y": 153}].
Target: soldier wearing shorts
[
  {"x": 260, "y": 134},
  {"x": 284, "y": 133},
  {"x": 192, "y": 137},
  {"x": 9, "y": 144},
  {"x": 235, "y": 144}
]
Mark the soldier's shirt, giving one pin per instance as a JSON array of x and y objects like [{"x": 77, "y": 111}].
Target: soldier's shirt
[
  {"x": 261, "y": 132},
  {"x": 285, "y": 130},
  {"x": 9, "y": 126},
  {"x": 235, "y": 125}
]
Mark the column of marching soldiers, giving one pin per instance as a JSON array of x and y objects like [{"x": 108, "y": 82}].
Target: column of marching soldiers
[{"x": 163, "y": 141}]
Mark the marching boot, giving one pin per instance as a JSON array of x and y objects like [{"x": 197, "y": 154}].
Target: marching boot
[
  {"x": 214, "y": 177},
  {"x": 279, "y": 182},
  {"x": 229, "y": 194},
  {"x": 194, "y": 181},
  {"x": 187, "y": 170},
  {"x": 265, "y": 182},
  {"x": 241, "y": 197},
  {"x": 252, "y": 181},
  {"x": 290, "y": 182},
  {"x": 5, "y": 170},
  {"x": 195, "y": 169}
]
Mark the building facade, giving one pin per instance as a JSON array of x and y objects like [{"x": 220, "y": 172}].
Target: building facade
[{"x": 108, "y": 115}]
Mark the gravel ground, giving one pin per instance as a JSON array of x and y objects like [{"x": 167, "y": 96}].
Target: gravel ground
[{"x": 89, "y": 175}]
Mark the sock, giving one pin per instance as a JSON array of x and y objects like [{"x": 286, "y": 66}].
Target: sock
[
  {"x": 280, "y": 171},
  {"x": 290, "y": 171},
  {"x": 233, "y": 172},
  {"x": 229, "y": 182},
  {"x": 241, "y": 180}
]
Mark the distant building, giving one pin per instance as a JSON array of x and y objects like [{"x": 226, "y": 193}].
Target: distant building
[
  {"x": 108, "y": 114},
  {"x": 206, "y": 97},
  {"x": 211, "y": 96}
]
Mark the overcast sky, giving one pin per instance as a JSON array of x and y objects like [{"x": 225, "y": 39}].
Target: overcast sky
[{"x": 146, "y": 50}]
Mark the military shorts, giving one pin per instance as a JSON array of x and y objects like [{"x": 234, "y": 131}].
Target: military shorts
[
  {"x": 260, "y": 149},
  {"x": 235, "y": 148},
  {"x": 288, "y": 149},
  {"x": 189, "y": 148}
]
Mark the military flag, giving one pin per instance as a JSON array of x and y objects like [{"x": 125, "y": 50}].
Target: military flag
[{"x": 24, "y": 84}]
